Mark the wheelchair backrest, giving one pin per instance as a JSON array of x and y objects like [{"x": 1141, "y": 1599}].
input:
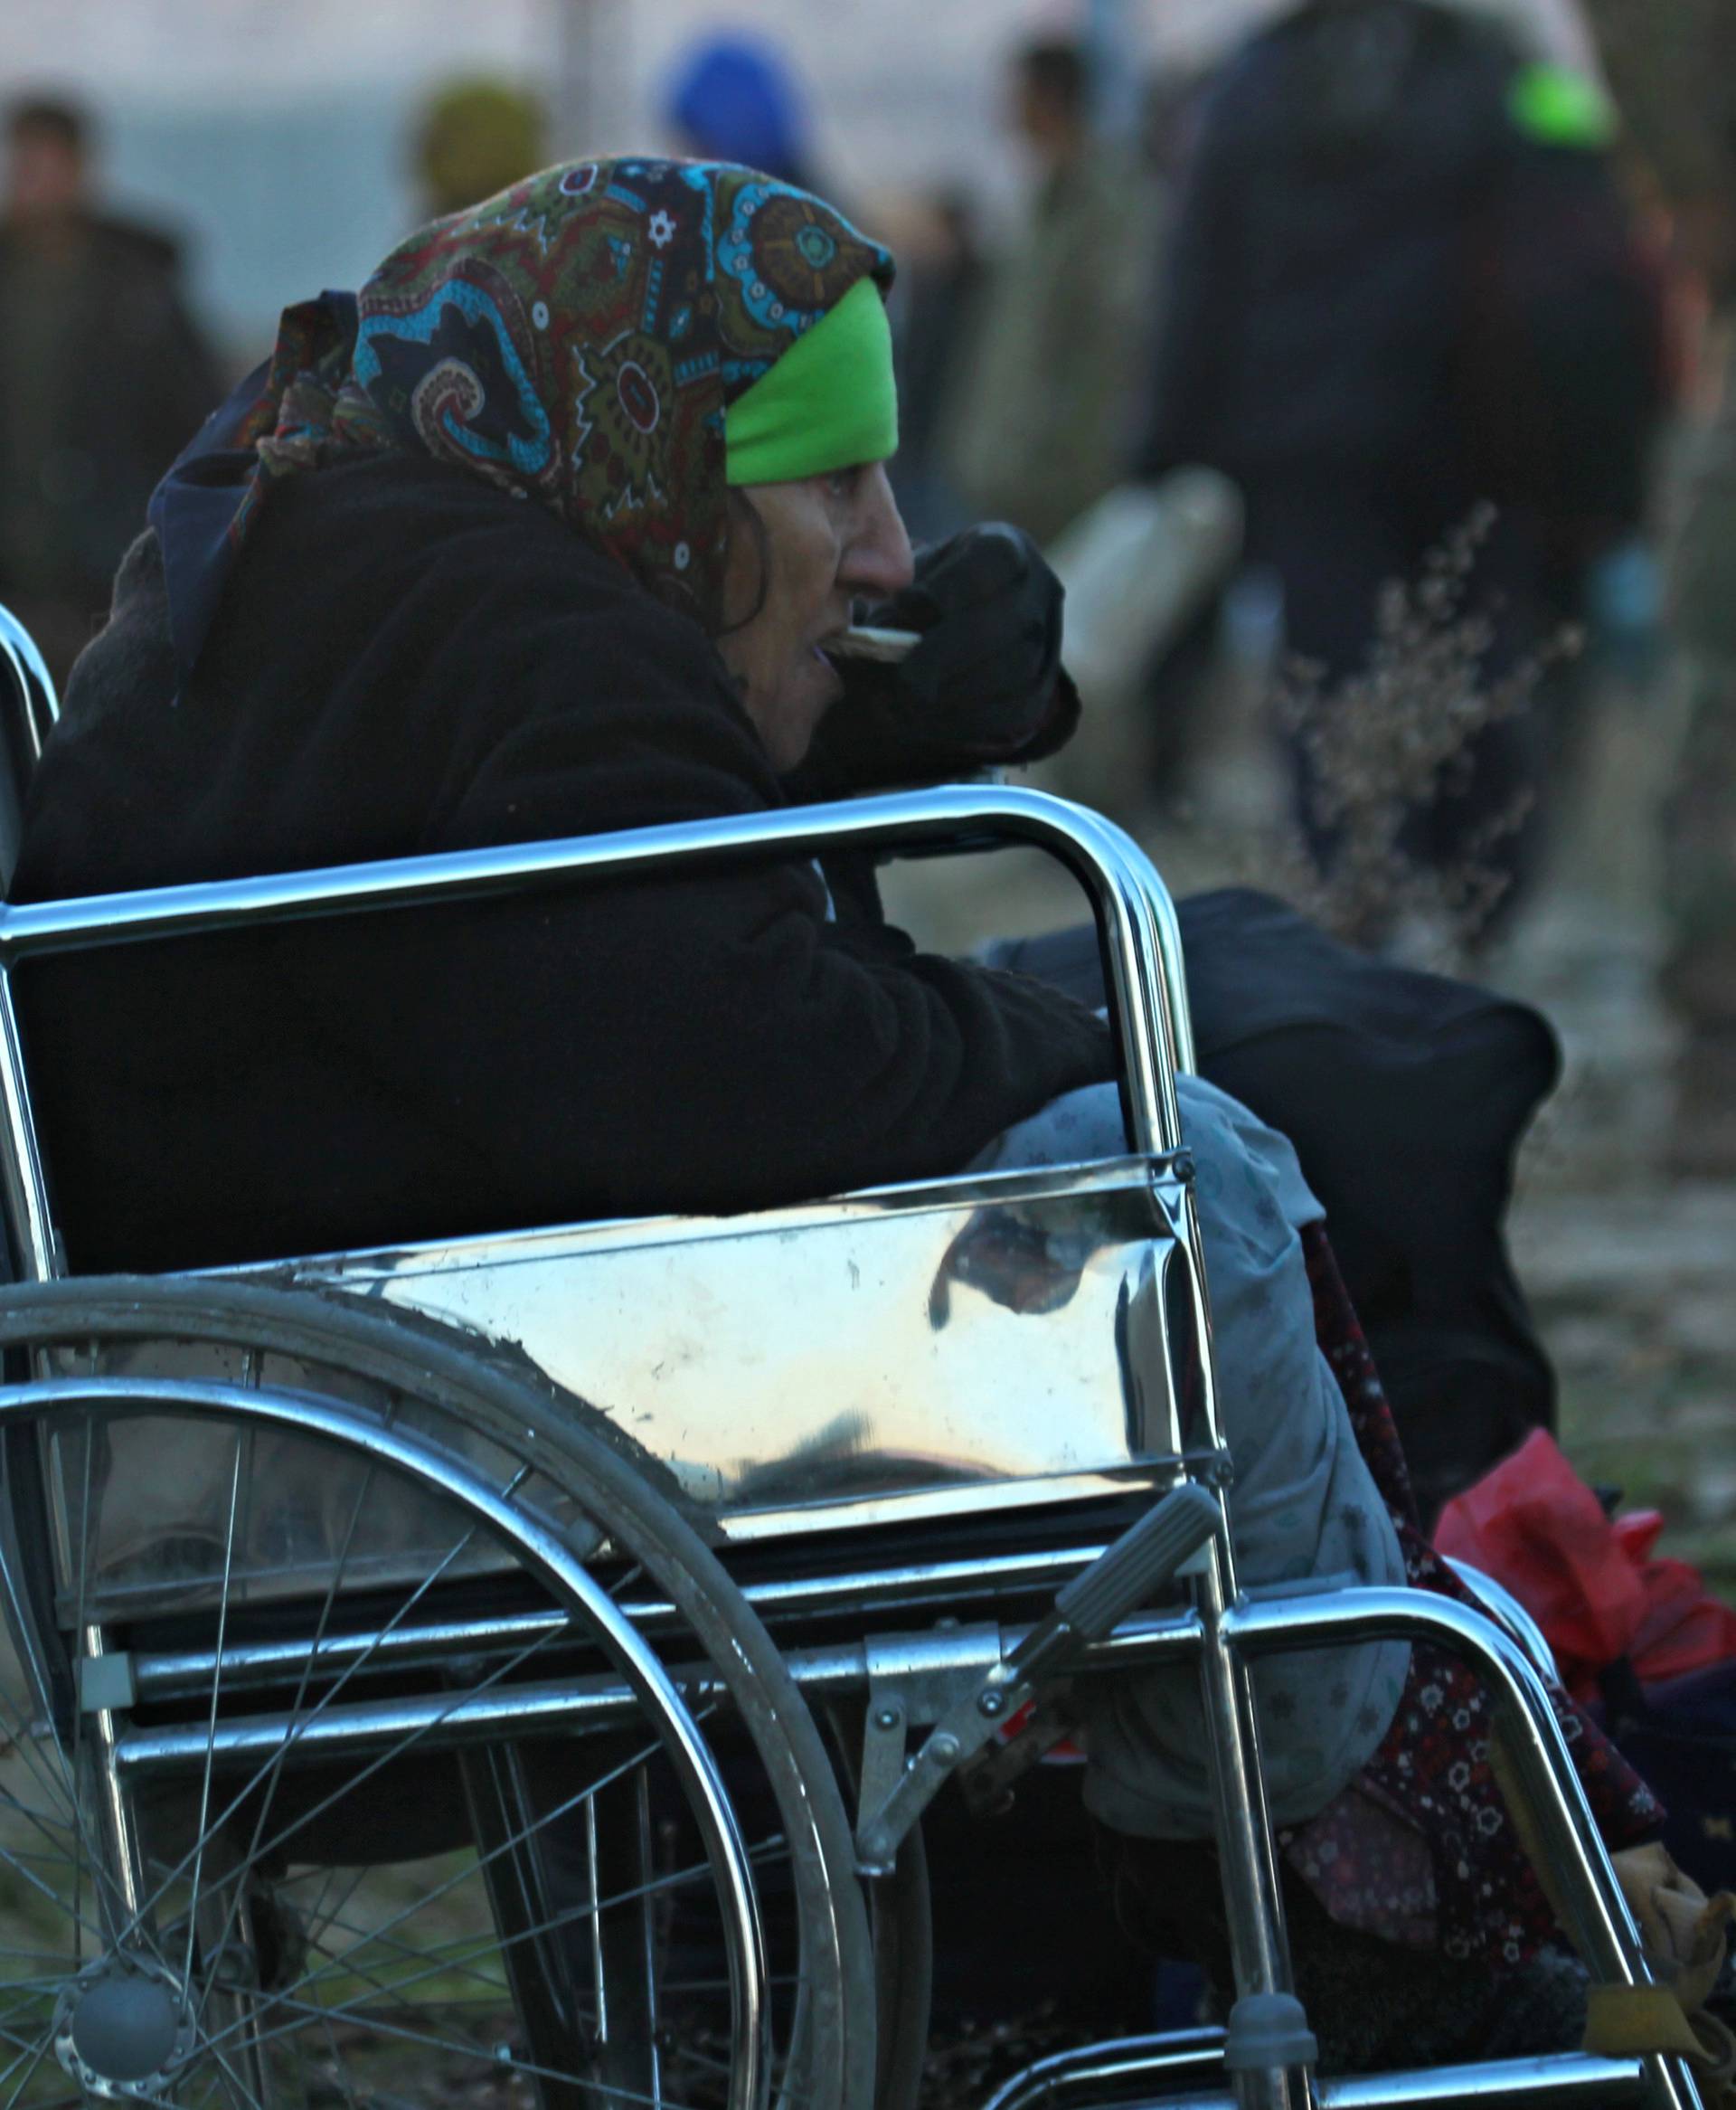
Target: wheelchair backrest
[{"x": 28, "y": 708}]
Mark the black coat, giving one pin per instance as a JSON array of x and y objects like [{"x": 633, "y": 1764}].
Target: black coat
[{"x": 408, "y": 660}]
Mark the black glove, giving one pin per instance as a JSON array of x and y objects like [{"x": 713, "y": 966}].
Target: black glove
[{"x": 986, "y": 684}]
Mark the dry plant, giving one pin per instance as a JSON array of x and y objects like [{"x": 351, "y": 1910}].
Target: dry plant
[{"x": 1379, "y": 747}]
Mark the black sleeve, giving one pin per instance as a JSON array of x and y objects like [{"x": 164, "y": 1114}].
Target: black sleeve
[
  {"x": 862, "y": 745},
  {"x": 710, "y": 1041},
  {"x": 865, "y": 743}
]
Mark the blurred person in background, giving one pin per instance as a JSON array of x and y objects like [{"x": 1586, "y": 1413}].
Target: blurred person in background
[
  {"x": 1046, "y": 380},
  {"x": 476, "y": 137},
  {"x": 1699, "y": 967},
  {"x": 1698, "y": 971},
  {"x": 1403, "y": 281},
  {"x": 103, "y": 376},
  {"x": 940, "y": 283},
  {"x": 734, "y": 97},
  {"x": 1550, "y": 32}
]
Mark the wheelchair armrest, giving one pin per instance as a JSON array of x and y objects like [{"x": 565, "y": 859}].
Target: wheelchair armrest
[{"x": 1135, "y": 916}]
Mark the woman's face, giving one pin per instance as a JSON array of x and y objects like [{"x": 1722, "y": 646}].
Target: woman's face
[{"x": 827, "y": 540}]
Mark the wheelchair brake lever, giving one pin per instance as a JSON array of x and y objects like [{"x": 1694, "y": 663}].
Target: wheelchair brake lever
[{"x": 1123, "y": 1576}]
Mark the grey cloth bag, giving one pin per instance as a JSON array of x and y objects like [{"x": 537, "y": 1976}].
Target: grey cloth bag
[{"x": 1303, "y": 1508}]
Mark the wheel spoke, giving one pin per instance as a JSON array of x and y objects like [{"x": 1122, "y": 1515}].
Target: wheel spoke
[
  {"x": 25, "y": 1743},
  {"x": 339, "y": 2064},
  {"x": 28, "y": 1989},
  {"x": 43, "y": 1819},
  {"x": 55, "y": 1897},
  {"x": 24, "y": 1638},
  {"x": 16, "y": 1858},
  {"x": 476, "y": 1866},
  {"x": 406, "y": 1742},
  {"x": 30, "y": 2060},
  {"x": 439, "y": 1961},
  {"x": 366, "y": 1937},
  {"x": 25, "y": 1747},
  {"x": 275, "y": 1767},
  {"x": 237, "y": 2087},
  {"x": 317, "y": 1917},
  {"x": 216, "y": 1694},
  {"x": 299, "y": 1729},
  {"x": 344, "y": 1964},
  {"x": 65, "y": 1791},
  {"x": 25, "y": 2044}
]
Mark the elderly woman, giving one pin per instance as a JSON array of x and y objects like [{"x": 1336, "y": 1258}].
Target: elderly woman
[
  {"x": 545, "y": 534},
  {"x": 548, "y": 533}
]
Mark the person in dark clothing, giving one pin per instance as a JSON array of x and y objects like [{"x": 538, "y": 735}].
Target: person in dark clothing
[
  {"x": 380, "y": 649},
  {"x": 1037, "y": 413},
  {"x": 103, "y": 378},
  {"x": 1403, "y": 283}
]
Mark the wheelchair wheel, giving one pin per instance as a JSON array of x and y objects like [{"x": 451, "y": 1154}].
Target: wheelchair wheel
[{"x": 372, "y": 1731}]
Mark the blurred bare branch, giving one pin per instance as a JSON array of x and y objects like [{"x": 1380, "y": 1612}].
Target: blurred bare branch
[{"x": 1383, "y": 745}]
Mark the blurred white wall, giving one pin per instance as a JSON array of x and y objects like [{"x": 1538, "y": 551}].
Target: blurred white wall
[{"x": 273, "y": 134}]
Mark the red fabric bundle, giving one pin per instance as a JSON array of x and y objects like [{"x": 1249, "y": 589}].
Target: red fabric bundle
[{"x": 1591, "y": 1583}]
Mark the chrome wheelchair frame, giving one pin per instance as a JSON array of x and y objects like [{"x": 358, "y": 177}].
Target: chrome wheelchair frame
[{"x": 952, "y": 1684}]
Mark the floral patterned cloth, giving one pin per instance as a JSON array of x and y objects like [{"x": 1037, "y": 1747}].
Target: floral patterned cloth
[
  {"x": 1419, "y": 1848},
  {"x": 575, "y": 340}
]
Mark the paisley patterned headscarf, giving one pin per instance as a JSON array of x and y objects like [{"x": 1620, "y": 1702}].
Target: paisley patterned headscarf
[{"x": 579, "y": 339}]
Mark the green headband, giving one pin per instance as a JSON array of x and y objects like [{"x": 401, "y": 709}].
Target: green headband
[
  {"x": 1558, "y": 109},
  {"x": 828, "y": 402}
]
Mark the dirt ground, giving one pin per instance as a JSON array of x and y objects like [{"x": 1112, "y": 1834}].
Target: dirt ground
[{"x": 1630, "y": 1268}]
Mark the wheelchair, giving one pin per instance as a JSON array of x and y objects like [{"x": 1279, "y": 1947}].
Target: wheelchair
[{"x": 512, "y": 1670}]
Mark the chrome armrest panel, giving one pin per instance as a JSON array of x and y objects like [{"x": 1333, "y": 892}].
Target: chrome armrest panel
[
  {"x": 912, "y": 1354},
  {"x": 915, "y": 1351}
]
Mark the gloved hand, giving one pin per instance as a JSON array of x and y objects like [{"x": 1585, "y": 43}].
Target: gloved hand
[
  {"x": 1682, "y": 1933},
  {"x": 986, "y": 682}
]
